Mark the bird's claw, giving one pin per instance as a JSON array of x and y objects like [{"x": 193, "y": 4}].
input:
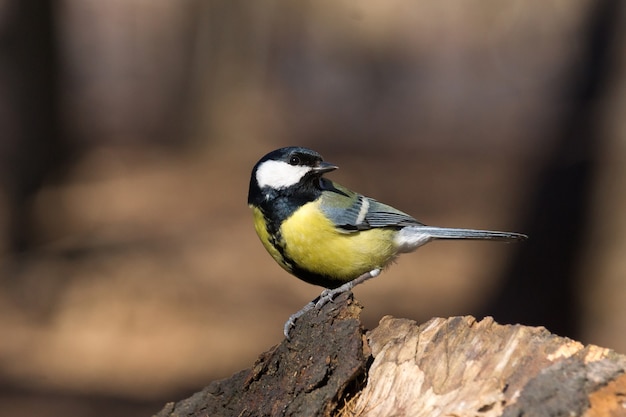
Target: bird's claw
[
  {"x": 328, "y": 295},
  {"x": 291, "y": 321}
]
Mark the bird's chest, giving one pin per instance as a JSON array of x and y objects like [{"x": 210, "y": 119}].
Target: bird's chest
[
  {"x": 307, "y": 230},
  {"x": 295, "y": 233},
  {"x": 309, "y": 245},
  {"x": 313, "y": 242}
]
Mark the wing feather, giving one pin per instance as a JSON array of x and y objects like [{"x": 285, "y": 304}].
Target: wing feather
[
  {"x": 352, "y": 212},
  {"x": 382, "y": 215}
]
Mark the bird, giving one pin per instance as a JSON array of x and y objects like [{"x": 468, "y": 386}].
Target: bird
[{"x": 327, "y": 235}]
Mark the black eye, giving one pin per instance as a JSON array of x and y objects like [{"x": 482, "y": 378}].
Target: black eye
[{"x": 294, "y": 160}]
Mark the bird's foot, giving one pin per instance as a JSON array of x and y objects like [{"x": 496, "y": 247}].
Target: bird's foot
[
  {"x": 328, "y": 295},
  {"x": 295, "y": 316}
]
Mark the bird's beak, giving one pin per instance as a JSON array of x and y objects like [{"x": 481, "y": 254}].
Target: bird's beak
[{"x": 325, "y": 167}]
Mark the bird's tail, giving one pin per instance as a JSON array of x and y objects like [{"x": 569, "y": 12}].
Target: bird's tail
[
  {"x": 453, "y": 233},
  {"x": 410, "y": 238}
]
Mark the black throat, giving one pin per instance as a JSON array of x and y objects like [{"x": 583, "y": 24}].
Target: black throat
[{"x": 279, "y": 205}]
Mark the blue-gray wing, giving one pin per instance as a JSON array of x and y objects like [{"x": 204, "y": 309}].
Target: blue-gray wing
[
  {"x": 352, "y": 212},
  {"x": 382, "y": 215}
]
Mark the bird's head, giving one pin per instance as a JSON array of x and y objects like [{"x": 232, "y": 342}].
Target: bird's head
[{"x": 286, "y": 168}]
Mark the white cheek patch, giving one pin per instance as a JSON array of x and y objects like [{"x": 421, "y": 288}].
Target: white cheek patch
[{"x": 279, "y": 174}]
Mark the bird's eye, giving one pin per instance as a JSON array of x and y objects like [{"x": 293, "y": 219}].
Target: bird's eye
[{"x": 294, "y": 160}]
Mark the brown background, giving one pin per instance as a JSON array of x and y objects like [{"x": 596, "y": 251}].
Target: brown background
[{"x": 130, "y": 273}]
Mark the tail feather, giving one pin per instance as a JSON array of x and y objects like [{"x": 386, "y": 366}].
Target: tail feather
[
  {"x": 453, "y": 233},
  {"x": 410, "y": 238}
]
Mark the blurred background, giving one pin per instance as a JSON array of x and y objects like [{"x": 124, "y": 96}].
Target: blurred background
[{"x": 130, "y": 274}]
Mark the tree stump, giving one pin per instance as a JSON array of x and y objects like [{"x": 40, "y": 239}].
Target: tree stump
[{"x": 446, "y": 367}]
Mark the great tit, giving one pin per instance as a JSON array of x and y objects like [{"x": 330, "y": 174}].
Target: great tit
[{"x": 328, "y": 235}]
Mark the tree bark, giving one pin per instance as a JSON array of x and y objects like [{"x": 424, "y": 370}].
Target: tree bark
[{"x": 446, "y": 367}]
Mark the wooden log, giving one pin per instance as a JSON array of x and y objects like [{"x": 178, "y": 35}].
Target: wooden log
[
  {"x": 451, "y": 367},
  {"x": 463, "y": 367},
  {"x": 309, "y": 375}
]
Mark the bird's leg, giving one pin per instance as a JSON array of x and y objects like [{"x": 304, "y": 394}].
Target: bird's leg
[
  {"x": 295, "y": 316},
  {"x": 329, "y": 295},
  {"x": 326, "y": 296}
]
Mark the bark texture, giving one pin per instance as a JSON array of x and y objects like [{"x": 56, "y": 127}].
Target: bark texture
[{"x": 457, "y": 366}]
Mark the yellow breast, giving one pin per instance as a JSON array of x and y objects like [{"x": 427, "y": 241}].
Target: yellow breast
[{"x": 313, "y": 242}]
